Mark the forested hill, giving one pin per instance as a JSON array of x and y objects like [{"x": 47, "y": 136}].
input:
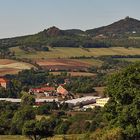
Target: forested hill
[
  {"x": 103, "y": 37},
  {"x": 122, "y": 27}
]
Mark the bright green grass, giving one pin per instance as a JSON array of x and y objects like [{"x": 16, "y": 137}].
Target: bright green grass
[{"x": 72, "y": 52}]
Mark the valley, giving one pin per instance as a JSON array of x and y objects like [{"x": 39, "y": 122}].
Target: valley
[{"x": 71, "y": 84}]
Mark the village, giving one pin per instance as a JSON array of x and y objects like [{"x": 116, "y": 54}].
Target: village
[{"x": 59, "y": 94}]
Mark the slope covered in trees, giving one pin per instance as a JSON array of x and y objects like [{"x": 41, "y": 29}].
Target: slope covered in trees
[
  {"x": 127, "y": 26},
  {"x": 103, "y": 37}
]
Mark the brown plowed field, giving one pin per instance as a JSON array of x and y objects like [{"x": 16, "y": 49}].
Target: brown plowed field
[
  {"x": 8, "y": 66},
  {"x": 63, "y": 64}
]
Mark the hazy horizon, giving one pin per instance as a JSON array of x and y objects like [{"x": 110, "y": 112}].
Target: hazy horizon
[{"x": 31, "y": 16}]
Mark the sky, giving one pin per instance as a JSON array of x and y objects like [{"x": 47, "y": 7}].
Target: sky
[{"x": 23, "y": 17}]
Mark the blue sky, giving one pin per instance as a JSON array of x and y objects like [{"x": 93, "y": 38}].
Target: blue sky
[{"x": 21, "y": 17}]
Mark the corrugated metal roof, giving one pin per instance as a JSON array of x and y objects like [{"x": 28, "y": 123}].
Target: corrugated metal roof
[
  {"x": 19, "y": 100},
  {"x": 83, "y": 99},
  {"x": 11, "y": 100}
]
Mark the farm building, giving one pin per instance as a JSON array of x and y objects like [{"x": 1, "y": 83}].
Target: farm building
[
  {"x": 3, "y": 82},
  {"x": 84, "y": 101},
  {"x": 38, "y": 101},
  {"x": 13, "y": 100},
  {"x": 62, "y": 91},
  {"x": 42, "y": 92},
  {"x": 101, "y": 102},
  {"x": 91, "y": 106}
]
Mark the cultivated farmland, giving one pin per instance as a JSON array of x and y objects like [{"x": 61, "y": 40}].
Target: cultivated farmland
[
  {"x": 8, "y": 66},
  {"x": 63, "y": 64}
]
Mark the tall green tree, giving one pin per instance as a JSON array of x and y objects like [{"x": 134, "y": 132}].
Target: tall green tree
[
  {"x": 27, "y": 99},
  {"x": 20, "y": 117},
  {"x": 123, "y": 109},
  {"x": 36, "y": 130}
]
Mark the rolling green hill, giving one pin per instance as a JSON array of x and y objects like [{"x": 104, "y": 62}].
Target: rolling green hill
[
  {"x": 102, "y": 37},
  {"x": 74, "y": 42}
]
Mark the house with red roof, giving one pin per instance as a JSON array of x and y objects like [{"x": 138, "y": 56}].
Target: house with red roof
[
  {"x": 62, "y": 91},
  {"x": 48, "y": 91},
  {"x": 3, "y": 82},
  {"x": 42, "y": 92}
]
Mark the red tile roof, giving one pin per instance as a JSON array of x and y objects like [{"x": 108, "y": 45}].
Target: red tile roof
[
  {"x": 43, "y": 89},
  {"x": 37, "y": 90},
  {"x": 62, "y": 90},
  {"x": 3, "y": 80},
  {"x": 48, "y": 88}
]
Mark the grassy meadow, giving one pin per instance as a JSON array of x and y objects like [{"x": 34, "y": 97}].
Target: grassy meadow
[
  {"x": 57, "y": 137},
  {"x": 73, "y": 52},
  {"x": 76, "y": 74},
  {"x": 129, "y": 59}
]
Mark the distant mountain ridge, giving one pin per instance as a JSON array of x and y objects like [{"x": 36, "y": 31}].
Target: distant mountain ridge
[
  {"x": 124, "y": 26},
  {"x": 56, "y": 37},
  {"x": 121, "y": 27}
]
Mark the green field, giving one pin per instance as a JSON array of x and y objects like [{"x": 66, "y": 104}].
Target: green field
[
  {"x": 58, "y": 137},
  {"x": 134, "y": 37},
  {"x": 76, "y": 74},
  {"x": 12, "y": 137},
  {"x": 129, "y": 59},
  {"x": 72, "y": 52}
]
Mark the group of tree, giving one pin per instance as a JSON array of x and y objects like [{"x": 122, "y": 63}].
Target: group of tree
[
  {"x": 27, "y": 79},
  {"x": 5, "y": 52},
  {"x": 17, "y": 119},
  {"x": 123, "y": 109},
  {"x": 81, "y": 85},
  {"x": 121, "y": 113},
  {"x": 13, "y": 89},
  {"x": 119, "y": 119},
  {"x": 34, "y": 47}
]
